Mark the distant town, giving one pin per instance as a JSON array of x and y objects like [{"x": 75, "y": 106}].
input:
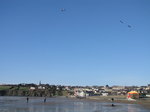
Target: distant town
[{"x": 46, "y": 90}]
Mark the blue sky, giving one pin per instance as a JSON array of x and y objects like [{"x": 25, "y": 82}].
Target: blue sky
[{"x": 84, "y": 45}]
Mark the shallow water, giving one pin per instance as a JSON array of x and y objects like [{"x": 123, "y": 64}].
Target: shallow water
[{"x": 19, "y": 104}]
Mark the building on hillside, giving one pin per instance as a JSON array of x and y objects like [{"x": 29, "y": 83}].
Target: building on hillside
[
  {"x": 78, "y": 92},
  {"x": 105, "y": 94},
  {"x": 41, "y": 87},
  {"x": 32, "y": 88},
  {"x": 117, "y": 88}
]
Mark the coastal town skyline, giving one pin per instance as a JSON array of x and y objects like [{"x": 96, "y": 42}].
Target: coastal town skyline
[
  {"x": 5, "y": 84},
  {"x": 81, "y": 42},
  {"x": 46, "y": 83}
]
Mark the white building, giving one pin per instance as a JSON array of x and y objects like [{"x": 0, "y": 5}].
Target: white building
[
  {"x": 104, "y": 94},
  {"x": 79, "y": 93},
  {"x": 41, "y": 87},
  {"x": 32, "y": 88}
]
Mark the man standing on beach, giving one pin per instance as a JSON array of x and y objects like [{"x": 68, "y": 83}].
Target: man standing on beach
[
  {"x": 44, "y": 99},
  {"x": 27, "y": 99}
]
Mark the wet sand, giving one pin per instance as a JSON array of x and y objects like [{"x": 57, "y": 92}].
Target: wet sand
[
  {"x": 107, "y": 99},
  {"x": 145, "y": 103},
  {"x": 90, "y": 104},
  {"x": 121, "y": 99}
]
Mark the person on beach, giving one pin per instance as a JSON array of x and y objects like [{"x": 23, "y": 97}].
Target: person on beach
[
  {"x": 27, "y": 99},
  {"x": 112, "y": 99},
  {"x": 44, "y": 99}
]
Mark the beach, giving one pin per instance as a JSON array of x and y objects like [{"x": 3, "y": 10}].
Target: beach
[
  {"x": 63, "y": 104},
  {"x": 144, "y": 102}
]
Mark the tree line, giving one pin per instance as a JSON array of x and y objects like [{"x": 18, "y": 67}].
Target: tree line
[{"x": 24, "y": 90}]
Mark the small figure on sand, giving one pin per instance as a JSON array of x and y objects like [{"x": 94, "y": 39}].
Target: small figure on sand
[
  {"x": 112, "y": 99},
  {"x": 27, "y": 99},
  {"x": 44, "y": 99},
  {"x": 112, "y": 105}
]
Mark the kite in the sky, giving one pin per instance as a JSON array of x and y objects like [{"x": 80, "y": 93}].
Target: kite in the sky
[
  {"x": 129, "y": 26},
  {"x": 62, "y": 9},
  {"x": 121, "y": 22}
]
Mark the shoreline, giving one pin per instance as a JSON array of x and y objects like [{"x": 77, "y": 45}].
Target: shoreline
[
  {"x": 120, "y": 99},
  {"x": 143, "y": 102}
]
